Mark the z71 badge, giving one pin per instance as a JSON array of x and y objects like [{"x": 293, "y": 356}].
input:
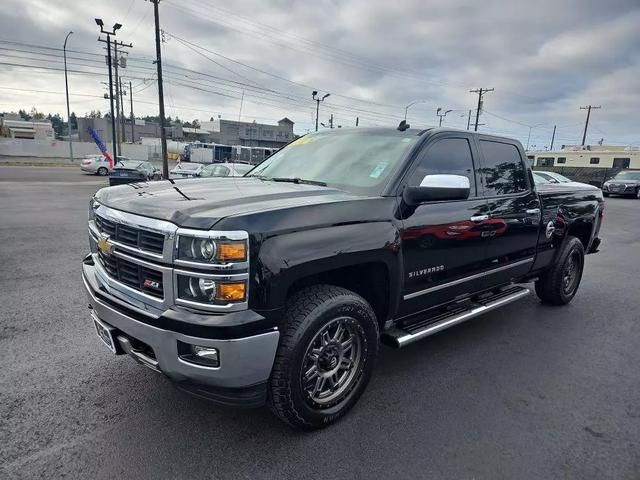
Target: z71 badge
[{"x": 426, "y": 271}]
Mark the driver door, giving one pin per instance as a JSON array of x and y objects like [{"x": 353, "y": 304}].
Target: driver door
[{"x": 444, "y": 243}]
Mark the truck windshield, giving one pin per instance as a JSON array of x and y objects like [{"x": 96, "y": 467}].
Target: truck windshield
[{"x": 359, "y": 162}]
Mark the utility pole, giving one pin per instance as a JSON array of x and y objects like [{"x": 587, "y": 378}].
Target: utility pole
[
  {"x": 480, "y": 92},
  {"x": 119, "y": 99},
  {"x": 133, "y": 118},
  {"x": 331, "y": 121},
  {"x": 553, "y": 137},
  {"x": 158, "y": 62},
  {"x": 116, "y": 26},
  {"x": 122, "y": 116},
  {"x": 586, "y": 124},
  {"x": 317, "y": 98},
  {"x": 241, "y": 102},
  {"x": 115, "y": 68},
  {"x": 66, "y": 87},
  {"x": 469, "y": 120},
  {"x": 357, "y": 121}
]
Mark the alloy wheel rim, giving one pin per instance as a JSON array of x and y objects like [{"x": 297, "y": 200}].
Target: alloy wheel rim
[
  {"x": 333, "y": 362},
  {"x": 571, "y": 273}
]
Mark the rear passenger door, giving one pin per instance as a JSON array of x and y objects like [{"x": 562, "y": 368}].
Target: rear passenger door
[{"x": 514, "y": 208}]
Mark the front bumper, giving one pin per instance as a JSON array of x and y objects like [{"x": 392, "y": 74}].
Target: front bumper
[{"x": 245, "y": 361}]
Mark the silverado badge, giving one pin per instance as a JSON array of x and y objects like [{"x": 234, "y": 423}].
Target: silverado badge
[{"x": 103, "y": 244}]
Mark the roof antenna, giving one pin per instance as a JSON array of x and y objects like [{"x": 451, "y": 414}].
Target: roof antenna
[{"x": 403, "y": 126}]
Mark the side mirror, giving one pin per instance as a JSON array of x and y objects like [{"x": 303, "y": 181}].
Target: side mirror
[{"x": 438, "y": 188}]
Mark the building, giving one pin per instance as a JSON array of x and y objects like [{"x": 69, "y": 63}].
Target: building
[
  {"x": 13, "y": 127},
  {"x": 250, "y": 134}
]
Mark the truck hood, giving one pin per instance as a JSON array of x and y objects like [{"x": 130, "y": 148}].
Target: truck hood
[{"x": 201, "y": 203}]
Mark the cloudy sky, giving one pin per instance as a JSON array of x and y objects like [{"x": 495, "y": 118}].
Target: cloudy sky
[{"x": 545, "y": 59}]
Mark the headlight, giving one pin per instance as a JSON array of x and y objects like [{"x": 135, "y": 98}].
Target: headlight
[
  {"x": 205, "y": 290},
  {"x": 209, "y": 249}
]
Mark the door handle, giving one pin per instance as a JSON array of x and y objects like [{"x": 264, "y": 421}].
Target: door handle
[
  {"x": 479, "y": 218},
  {"x": 533, "y": 211}
]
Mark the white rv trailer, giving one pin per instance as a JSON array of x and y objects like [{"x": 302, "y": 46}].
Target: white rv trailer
[{"x": 588, "y": 156}]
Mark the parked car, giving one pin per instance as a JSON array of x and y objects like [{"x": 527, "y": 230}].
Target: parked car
[
  {"x": 187, "y": 169},
  {"x": 539, "y": 179},
  {"x": 278, "y": 286},
  {"x": 97, "y": 164},
  {"x": 225, "y": 170},
  {"x": 553, "y": 177},
  {"x": 625, "y": 183},
  {"x": 130, "y": 171}
]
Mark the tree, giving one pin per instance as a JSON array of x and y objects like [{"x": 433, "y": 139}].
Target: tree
[
  {"x": 36, "y": 115},
  {"x": 57, "y": 123},
  {"x": 24, "y": 115},
  {"x": 73, "y": 121}
]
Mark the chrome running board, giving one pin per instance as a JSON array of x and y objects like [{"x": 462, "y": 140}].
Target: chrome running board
[{"x": 400, "y": 336}]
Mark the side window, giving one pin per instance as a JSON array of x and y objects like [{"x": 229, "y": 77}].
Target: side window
[
  {"x": 594, "y": 160},
  {"x": 546, "y": 161},
  {"x": 621, "y": 162},
  {"x": 503, "y": 172},
  {"x": 562, "y": 160},
  {"x": 446, "y": 156}
]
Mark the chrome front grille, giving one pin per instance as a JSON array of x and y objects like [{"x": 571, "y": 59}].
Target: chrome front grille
[
  {"x": 142, "y": 278},
  {"x": 131, "y": 236},
  {"x": 140, "y": 267}
]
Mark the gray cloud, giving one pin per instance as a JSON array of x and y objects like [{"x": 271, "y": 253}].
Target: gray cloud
[{"x": 545, "y": 59}]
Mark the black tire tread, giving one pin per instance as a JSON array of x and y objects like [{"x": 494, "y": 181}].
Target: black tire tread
[
  {"x": 549, "y": 285},
  {"x": 299, "y": 306}
]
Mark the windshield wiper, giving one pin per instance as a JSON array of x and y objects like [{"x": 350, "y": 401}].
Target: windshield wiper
[{"x": 296, "y": 180}]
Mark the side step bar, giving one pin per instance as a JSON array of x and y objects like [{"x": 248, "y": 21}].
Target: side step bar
[{"x": 401, "y": 336}]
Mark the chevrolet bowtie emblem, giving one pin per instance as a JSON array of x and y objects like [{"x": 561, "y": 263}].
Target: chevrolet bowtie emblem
[{"x": 104, "y": 246}]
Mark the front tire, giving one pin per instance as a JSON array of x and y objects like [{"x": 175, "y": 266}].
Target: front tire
[
  {"x": 102, "y": 171},
  {"x": 560, "y": 283},
  {"x": 605, "y": 194},
  {"x": 326, "y": 355}
]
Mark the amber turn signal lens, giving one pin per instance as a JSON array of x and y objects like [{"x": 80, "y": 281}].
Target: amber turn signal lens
[
  {"x": 231, "y": 291},
  {"x": 232, "y": 251}
]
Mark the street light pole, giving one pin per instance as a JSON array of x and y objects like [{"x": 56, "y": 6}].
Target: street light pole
[
  {"x": 441, "y": 115},
  {"x": 406, "y": 109},
  {"x": 315, "y": 96},
  {"x": 108, "y": 33},
  {"x": 66, "y": 87}
]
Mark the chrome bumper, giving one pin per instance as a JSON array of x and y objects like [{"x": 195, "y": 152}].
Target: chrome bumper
[{"x": 243, "y": 361}]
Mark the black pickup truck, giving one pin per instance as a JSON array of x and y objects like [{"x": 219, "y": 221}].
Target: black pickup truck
[{"x": 278, "y": 286}]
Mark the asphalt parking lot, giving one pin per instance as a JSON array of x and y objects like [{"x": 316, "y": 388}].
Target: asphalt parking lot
[{"x": 527, "y": 391}]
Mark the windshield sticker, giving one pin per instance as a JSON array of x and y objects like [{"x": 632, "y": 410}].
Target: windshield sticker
[
  {"x": 377, "y": 171},
  {"x": 302, "y": 140}
]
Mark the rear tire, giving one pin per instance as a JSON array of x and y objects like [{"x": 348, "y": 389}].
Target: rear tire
[
  {"x": 605, "y": 194},
  {"x": 102, "y": 171},
  {"x": 326, "y": 355},
  {"x": 559, "y": 284}
]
